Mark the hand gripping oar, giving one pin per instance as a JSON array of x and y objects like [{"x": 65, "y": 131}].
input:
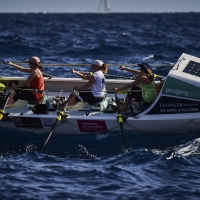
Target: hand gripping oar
[
  {"x": 120, "y": 120},
  {"x": 2, "y": 110},
  {"x": 57, "y": 120}
]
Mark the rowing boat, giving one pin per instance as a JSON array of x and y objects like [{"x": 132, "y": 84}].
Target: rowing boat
[{"x": 176, "y": 108}]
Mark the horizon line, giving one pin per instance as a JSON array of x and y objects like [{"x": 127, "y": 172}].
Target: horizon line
[{"x": 45, "y": 12}]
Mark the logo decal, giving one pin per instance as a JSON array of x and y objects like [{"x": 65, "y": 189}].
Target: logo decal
[
  {"x": 28, "y": 122},
  {"x": 91, "y": 125},
  {"x": 178, "y": 88}
]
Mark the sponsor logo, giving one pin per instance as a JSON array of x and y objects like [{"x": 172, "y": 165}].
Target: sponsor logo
[
  {"x": 171, "y": 105},
  {"x": 182, "y": 93},
  {"x": 91, "y": 125},
  {"x": 28, "y": 122}
]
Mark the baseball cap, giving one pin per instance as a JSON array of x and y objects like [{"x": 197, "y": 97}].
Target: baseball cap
[
  {"x": 144, "y": 66},
  {"x": 97, "y": 62},
  {"x": 34, "y": 60}
]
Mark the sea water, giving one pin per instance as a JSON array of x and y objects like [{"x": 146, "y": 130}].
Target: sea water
[{"x": 96, "y": 166}]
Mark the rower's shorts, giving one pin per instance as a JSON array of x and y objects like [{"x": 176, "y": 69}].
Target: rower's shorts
[
  {"x": 88, "y": 97},
  {"x": 137, "y": 95},
  {"x": 24, "y": 95}
]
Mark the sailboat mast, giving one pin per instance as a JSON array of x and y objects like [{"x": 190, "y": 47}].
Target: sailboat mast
[{"x": 106, "y": 6}]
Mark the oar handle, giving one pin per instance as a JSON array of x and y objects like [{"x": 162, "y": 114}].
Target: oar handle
[{"x": 5, "y": 62}]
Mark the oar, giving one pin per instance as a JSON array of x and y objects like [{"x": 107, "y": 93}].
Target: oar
[
  {"x": 120, "y": 120},
  {"x": 48, "y": 75},
  {"x": 110, "y": 75},
  {"x": 87, "y": 65},
  {"x": 57, "y": 120},
  {"x": 155, "y": 76},
  {"x": 44, "y": 74},
  {"x": 125, "y": 77},
  {"x": 2, "y": 111}
]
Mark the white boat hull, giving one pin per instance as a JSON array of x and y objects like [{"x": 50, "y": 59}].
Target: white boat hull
[
  {"x": 103, "y": 123},
  {"x": 176, "y": 109}
]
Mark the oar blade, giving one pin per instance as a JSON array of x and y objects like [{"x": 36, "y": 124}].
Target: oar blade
[{"x": 55, "y": 124}]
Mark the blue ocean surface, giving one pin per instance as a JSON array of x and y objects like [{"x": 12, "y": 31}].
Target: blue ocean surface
[{"x": 96, "y": 166}]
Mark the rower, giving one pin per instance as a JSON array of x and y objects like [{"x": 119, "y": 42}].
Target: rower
[
  {"x": 146, "y": 93},
  {"x": 32, "y": 88},
  {"x": 96, "y": 82}
]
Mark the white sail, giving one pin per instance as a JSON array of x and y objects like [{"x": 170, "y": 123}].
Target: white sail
[{"x": 106, "y": 6}]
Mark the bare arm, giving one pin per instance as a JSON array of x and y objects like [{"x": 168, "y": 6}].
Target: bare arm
[
  {"x": 133, "y": 71},
  {"x": 87, "y": 85},
  {"x": 136, "y": 82},
  {"x": 83, "y": 76},
  {"x": 22, "y": 69},
  {"x": 27, "y": 81}
]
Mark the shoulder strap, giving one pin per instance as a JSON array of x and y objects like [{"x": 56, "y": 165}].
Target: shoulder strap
[{"x": 39, "y": 72}]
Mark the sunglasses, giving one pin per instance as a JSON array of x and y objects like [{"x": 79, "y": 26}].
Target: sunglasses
[
  {"x": 93, "y": 65},
  {"x": 32, "y": 63}
]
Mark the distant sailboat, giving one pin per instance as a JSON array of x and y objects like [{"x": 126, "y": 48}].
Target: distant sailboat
[{"x": 106, "y": 6}]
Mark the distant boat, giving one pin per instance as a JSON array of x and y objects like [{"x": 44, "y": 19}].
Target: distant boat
[{"x": 106, "y": 6}]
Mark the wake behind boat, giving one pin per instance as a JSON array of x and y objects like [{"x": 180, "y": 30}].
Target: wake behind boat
[{"x": 176, "y": 108}]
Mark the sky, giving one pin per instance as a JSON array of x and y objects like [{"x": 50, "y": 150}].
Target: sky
[{"x": 77, "y": 6}]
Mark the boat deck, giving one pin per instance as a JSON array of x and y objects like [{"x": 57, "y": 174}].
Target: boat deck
[{"x": 22, "y": 107}]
